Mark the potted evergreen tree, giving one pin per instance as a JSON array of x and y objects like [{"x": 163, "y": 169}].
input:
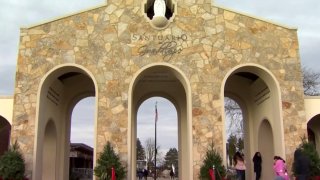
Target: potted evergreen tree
[
  {"x": 309, "y": 150},
  {"x": 12, "y": 165},
  {"x": 212, "y": 159},
  {"x": 109, "y": 159}
]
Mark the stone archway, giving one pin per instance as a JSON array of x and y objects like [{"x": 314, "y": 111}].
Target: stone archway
[
  {"x": 257, "y": 92},
  {"x": 165, "y": 81},
  {"x": 60, "y": 90},
  {"x": 5, "y": 129}
]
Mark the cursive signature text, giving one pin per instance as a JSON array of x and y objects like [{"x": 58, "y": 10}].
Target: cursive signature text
[{"x": 167, "y": 50}]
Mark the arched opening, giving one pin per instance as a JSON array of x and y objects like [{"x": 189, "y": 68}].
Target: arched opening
[
  {"x": 257, "y": 93},
  {"x": 167, "y": 136},
  {"x": 82, "y": 140},
  {"x": 165, "y": 81},
  {"x": 267, "y": 149},
  {"x": 314, "y": 131},
  {"x": 234, "y": 128},
  {"x": 5, "y": 129},
  {"x": 60, "y": 90},
  {"x": 49, "y": 165}
]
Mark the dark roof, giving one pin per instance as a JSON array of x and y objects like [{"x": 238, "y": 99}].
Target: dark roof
[{"x": 79, "y": 146}]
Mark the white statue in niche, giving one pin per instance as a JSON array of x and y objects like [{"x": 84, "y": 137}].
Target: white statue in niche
[{"x": 159, "y": 8}]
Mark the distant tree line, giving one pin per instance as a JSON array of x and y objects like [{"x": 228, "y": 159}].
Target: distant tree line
[
  {"x": 311, "y": 82},
  {"x": 165, "y": 162}
]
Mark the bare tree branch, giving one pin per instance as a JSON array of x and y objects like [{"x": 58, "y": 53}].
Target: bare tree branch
[
  {"x": 150, "y": 151},
  {"x": 234, "y": 117},
  {"x": 311, "y": 82}
]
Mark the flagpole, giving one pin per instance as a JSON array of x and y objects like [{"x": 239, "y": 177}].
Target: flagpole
[{"x": 155, "y": 142}]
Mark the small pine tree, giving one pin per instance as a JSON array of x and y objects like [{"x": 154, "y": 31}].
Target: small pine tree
[
  {"x": 240, "y": 144},
  {"x": 140, "y": 151},
  {"x": 212, "y": 158},
  {"x": 108, "y": 159},
  {"x": 232, "y": 149},
  {"x": 12, "y": 164}
]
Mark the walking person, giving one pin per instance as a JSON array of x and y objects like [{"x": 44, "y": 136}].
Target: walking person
[
  {"x": 301, "y": 165},
  {"x": 140, "y": 174},
  {"x": 239, "y": 165},
  {"x": 145, "y": 173},
  {"x": 171, "y": 174},
  {"x": 280, "y": 168},
  {"x": 257, "y": 161}
]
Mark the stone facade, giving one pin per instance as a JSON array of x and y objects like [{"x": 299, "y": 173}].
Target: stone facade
[{"x": 116, "y": 40}]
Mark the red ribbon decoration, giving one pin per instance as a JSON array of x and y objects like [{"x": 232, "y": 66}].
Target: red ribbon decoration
[
  {"x": 212, "y": 175},
  {"x": 113, "y": 174}
]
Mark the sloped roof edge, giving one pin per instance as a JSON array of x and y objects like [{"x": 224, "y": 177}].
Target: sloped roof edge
[
  {"x": 77, "y": 145},
  {"x": 256, "y": 17},
  {"x": 99, "y": 6},
  {"x": 63, "y": 16}
]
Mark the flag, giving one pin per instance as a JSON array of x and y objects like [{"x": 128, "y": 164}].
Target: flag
[
  {"x": 212, "y": 175},
  {"x": 173, "y": 168},
  {"x": 113, "y": 174},
  {"x": 156, "y": 113}
]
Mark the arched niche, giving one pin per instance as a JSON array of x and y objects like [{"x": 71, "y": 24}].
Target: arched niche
[
  {"x": 165, "y": 81},
  {"x": 60, "y": 90},
  {"x": 266, "y": 149},
  {"x": 150, "y": 9},
  {"x": 49, "y": 153}
]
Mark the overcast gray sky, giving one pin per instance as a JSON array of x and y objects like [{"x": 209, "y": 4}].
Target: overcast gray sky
[
  {"x": 82, "y": 128},
  {"x": 23, "y": 13}
]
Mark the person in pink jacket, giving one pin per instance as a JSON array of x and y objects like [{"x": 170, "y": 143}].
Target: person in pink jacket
[
  {"x": 240, "y": 166},
  {"x": 280, "y": 168}
]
